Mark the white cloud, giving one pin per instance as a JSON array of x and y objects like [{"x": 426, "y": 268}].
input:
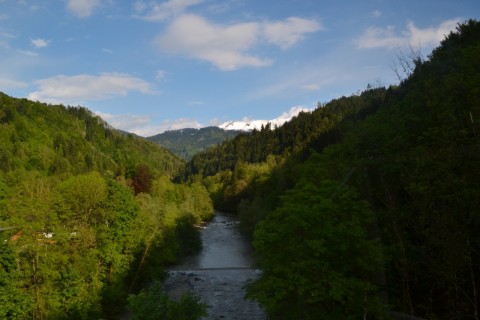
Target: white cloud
[
  {"x": 154, "y": 11},
  {"x": 40, "y": 43},
  {"x": 431, "y": 36},
  {"x": 82, "y": 87},
  {"x": 180, "y": 124},
  {"x": 142, "y": 124},
  {"x": 82, "y": 8},
  {"x": 228, "y": 47},
  {"x": 125, "y": 122},
  {"x": 381, "y": 37},
  {"x": 247, "y": 124},
  {"x": 293, "y": 112},
  {"x": 286, "y": 33},
  {"x": 389, "y": 38}
]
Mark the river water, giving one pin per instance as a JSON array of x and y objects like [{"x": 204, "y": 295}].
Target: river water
[{"x": 218, "y": 273}]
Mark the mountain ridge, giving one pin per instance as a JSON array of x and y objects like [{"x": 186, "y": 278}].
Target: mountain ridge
[{"x": 189, "y": 141}]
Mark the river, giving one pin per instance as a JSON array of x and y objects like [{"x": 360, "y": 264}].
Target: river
[{"x": 218, "y": 273}]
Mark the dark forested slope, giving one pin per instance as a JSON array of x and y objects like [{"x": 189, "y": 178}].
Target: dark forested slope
[
  {"x": 293, "y": 137},
  {"x": 369, "y": 206}
]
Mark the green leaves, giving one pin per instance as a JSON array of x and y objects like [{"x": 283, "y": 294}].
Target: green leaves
[
  {"x": 316, "y": 256},
  {"x": 84, "y": 195},
  {"x": 154, "y": 304}
]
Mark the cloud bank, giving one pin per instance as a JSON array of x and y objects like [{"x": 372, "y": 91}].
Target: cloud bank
[
  {"x": 388, "y": 37},
  {"x": 83, "y": 87},
  {"x": 231, "y": 47}
]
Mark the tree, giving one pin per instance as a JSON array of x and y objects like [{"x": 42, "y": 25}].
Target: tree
[
  {"x": 83, "y": 195},
  {"x": 14, "y": 302},
  {"x": 154, "y": 304},
  {"x": 142, "y": 179},
  {"x": 317, "y": 258}
]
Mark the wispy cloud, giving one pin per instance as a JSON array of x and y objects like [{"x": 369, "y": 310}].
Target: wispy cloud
[
  {"x": 290, "y": 31},
  {"x": 376, "y": 13},
  {"x": 12, "y": 84},
  {"x": 142, "y": 124},
  {"x": 27, "y": 53},
  {"x": 83, "y": 87},
  {"x": 160, "y": 75},
  {"x": 311, "y": 86},
  {"x": 387, "y": 37},
  {"x": 40, "y": 43},
  {"x": 229, "y": 47},
  {"x": 196, "y": 103},
  {"x": 5, "y": 38},
  {"x": 127, "y": 122},
  {"x": 155, "y": 11},
  {"x": 82, "y": 8}
]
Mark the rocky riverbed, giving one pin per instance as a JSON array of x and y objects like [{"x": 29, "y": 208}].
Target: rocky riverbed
[{"x": 219, "y": 272}]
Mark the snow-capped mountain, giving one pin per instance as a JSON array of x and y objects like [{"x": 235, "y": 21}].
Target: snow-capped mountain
[{"x": 248, "y": 125}]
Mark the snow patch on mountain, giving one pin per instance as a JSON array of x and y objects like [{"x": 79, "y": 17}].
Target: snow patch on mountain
[{"x": 248, "y": 124}]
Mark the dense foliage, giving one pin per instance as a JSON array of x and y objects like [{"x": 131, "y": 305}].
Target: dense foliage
[
  {"x": 154, "y": 304},
  {"x": 188, "y": 142},
  {"x": 87, "y": 214},
  {"x": 368, "y": 206}
]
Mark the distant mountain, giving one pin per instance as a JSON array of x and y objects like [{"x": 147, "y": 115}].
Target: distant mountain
[{"x": 187, "y": 142}]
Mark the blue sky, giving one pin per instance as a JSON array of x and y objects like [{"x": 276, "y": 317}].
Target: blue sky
[{"x": 150, "y": 66}]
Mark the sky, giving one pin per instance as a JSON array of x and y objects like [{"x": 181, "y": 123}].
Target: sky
[{"x": 151, "y": 66}]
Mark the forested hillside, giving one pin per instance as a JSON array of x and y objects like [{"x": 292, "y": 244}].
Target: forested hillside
[
  {"x": 369, "y": 206},
  {"x": 87, "y": 214},
  {"x": 188, "y": 142}
]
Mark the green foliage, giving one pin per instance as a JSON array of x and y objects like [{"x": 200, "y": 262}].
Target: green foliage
[
  {"x": 153, "y": 304},
  {"x": 142, "y": 179},
  {"x": 188, "y": 236},
  {"x": 326, "y": 267},
  {"x": 14, "y": 303},
  {"x": 74, "y": 238},
  {"x": 78, "y": 239},
  {"x": 54, "y": 139}
]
